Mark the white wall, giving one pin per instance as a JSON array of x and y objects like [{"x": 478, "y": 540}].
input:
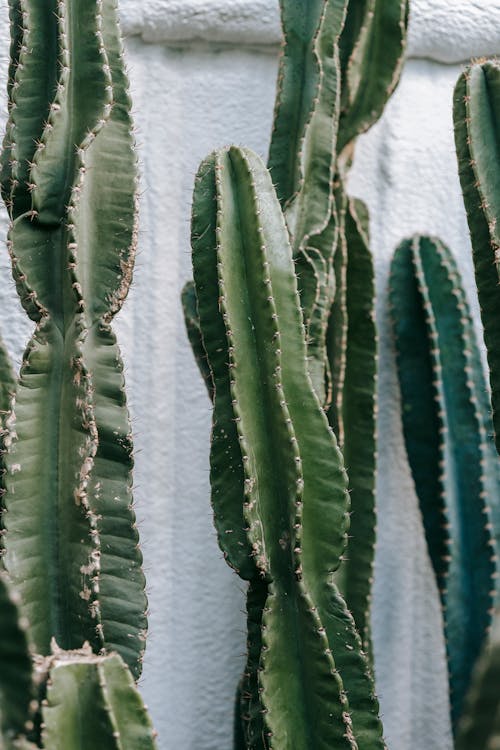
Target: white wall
[{"x": 202, "y": 74}]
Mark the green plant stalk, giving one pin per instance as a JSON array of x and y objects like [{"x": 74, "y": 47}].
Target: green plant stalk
[
  {"x": 92, "y": 702},
  {"x": 16, "y": 680},
  {"x": 294, "y": 502},
  {"x": 372, "y": 47},
  {"x": 476, "y": 114},
  {"x": 453, "y": 461},
  {"x": 357, "y": 408},
  {"x": 71, "y": 542},
  {"x": 479, "y": 726}
]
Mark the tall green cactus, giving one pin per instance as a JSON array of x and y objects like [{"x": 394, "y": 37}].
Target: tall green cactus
[
  {"x": 476, "y": 112},
  {"x": 329, "y": 239},
  {"x": 71, "y": 546},
  {"x": 447, "y": 431},
  {"x": 16, "y": 681},
  {"x": 278, "y": 484}
]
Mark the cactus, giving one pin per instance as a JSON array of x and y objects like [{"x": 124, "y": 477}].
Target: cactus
[
  {"x": 91, "y": 701},
  {"x": 352, "y": 346},
  {"x": 371, "y": 54},
  {"x": 479, "y": 726},
  {"x": 71, "y": 546},
  {"x": 16, "y": 681},
  {"x": 308, "y": 175},
  {"x": 278, "y": 484},
  {"x": 371, "y": 48},
  {"x": 453, "y": 460},
  {"x": 476, "y": 113}
]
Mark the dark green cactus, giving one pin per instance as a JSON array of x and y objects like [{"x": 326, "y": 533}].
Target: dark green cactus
[
  {"x": 479, "y": 726},
  {"x": 16, "y": 679},
  {"x": 372, "y": 46},
  {"x": 476, "y": 112},
  {"x": 447, "y": 433},
  {"x": 71, "y": 546},
  {"x": 278, "y": 484},
  {"x": 329, "y": 239}
]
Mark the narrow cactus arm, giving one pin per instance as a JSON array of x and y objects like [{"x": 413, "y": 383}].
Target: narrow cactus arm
[
  {"x": 314, "y": 716},
  {"x": 449, "y": 455},
  {"x": 192, "y": 323},
  {"x": 479, "y": 726},
  {"x": 356, "y": 20},
  {"x": 476, "y": 113},
  {"x": 93, "y": 702},
  {"x": 374, "y": 66},
  {"x": 73, "y": 120},
  {"x": 309, "y": 209},
  {"x": 16, "y": 678},
  {"x": 307, "y": 76},
  {"x": 227, "y": 477},
  {"x": 33, "y": 75},
  {"x": 355, "y": 575},
  {"x": 104, "y": 240}
]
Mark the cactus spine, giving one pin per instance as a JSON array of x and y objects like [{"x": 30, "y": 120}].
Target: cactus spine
[
  {"x": 273, "y": 452},
  {"x": 446, "y": 425}
]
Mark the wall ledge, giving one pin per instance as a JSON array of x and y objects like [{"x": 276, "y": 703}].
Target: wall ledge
[{"x": 447, "y": 31}]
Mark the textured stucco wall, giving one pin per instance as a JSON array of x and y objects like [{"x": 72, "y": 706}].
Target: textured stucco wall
[{"x": 208, "y": 80}]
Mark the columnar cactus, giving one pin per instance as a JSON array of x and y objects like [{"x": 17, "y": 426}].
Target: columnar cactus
[
  {"x": 69, "y": 181},
  {"x": 68, "y": 528},
  {"x": 479, "y": 726},
  {"x": 16, "y": 686},
  {"x": 279, "y": 489},
  {"x": 476, "y": 112},
  {"x": 447, "y": 431},
  {"x": 328, "y": 237},
  {"x": 88, "y": 701}
]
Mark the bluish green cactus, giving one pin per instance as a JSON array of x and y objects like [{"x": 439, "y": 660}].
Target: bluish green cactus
[
  {"x": 278, "y": 484},
  {"x": 447, "y": 433},
  {"x": 476, "y": 113},
  {"x": 71, "y": 546}
]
